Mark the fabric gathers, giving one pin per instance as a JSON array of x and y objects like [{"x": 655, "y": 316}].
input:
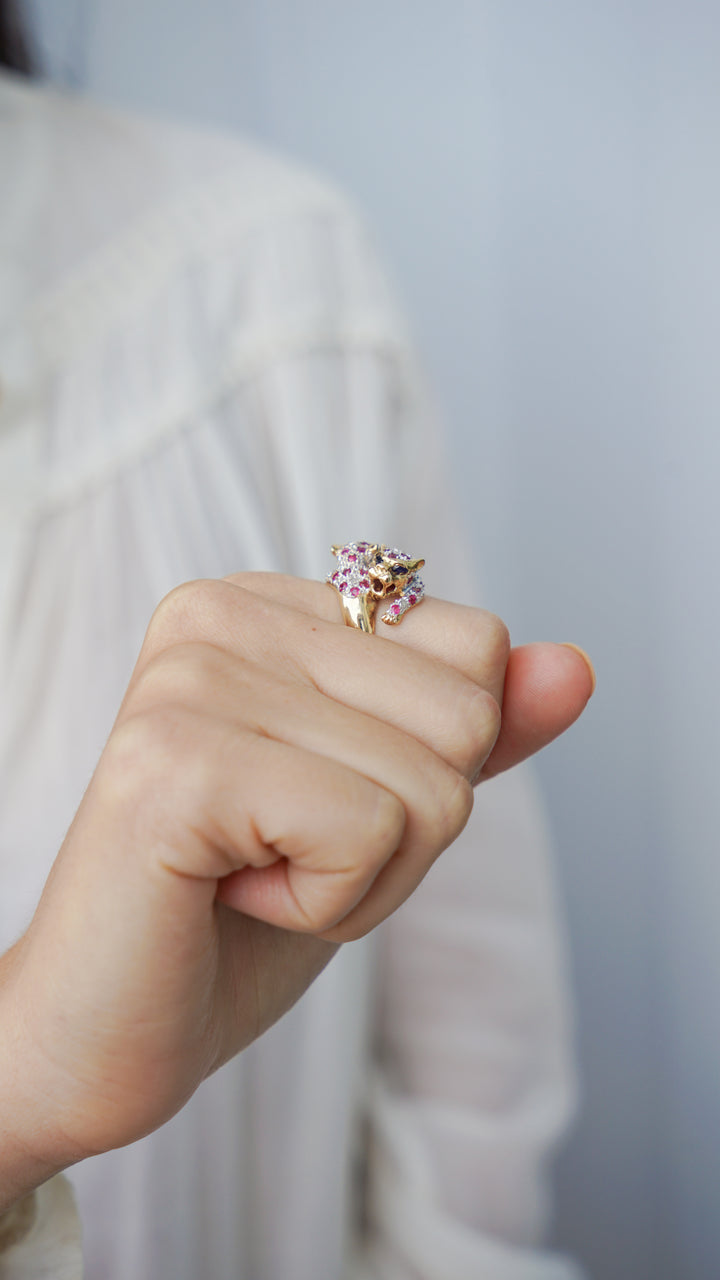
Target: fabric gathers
[{"x": 206, "y": 373}]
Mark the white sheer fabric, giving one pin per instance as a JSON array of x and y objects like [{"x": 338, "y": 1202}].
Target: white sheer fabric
[
  {"x": 203, "y": 372},
  {"x": 52, "y": 1248}
]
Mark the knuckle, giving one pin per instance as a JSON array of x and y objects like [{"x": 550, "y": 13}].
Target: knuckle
[
  {"x": 475, "y": 728},
  {"x": 186, "y": 611},
  {"x": 384, "y": 826},
  {"x": 443, "y": 812},
  {"x": 186, "y": 672},
  {"x": 497, "y": 640},
  {"x": 143, "y": 755},
  {"x": 456, "y": 810},
  {"x": 491, "y": 726},
  {"x": 449, "y": 805}
]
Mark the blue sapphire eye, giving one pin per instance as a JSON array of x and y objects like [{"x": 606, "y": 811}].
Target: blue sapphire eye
[{"x": 399, "y": 570}]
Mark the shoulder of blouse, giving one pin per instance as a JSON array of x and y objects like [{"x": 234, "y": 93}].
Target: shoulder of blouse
[
  {"x": 132, "y": 203},
  {"x": 179, "y": 263}
]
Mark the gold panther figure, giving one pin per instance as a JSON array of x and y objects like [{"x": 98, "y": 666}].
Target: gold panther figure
[{"x": 369, "y": 572}]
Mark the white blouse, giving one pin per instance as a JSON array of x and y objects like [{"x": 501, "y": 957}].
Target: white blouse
[{"x": 202, "y": 371}]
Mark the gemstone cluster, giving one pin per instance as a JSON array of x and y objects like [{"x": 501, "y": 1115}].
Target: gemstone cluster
[{"x": 366, "y": 568}]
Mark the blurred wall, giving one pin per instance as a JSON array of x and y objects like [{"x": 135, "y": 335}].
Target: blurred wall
[{"x": 543, "y": 181}]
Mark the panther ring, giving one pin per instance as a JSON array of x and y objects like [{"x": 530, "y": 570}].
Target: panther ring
[{"x": 369, "y": 573}]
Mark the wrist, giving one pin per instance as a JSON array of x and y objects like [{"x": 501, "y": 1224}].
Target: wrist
[
  {"x": 29, "y": 1155},
  {"x": 21, "y": 1173}
]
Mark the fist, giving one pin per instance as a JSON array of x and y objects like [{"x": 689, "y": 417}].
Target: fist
[{"x": 275, "y": 784}]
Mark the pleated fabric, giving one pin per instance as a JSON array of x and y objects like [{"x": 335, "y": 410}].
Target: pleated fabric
[{"x": 203, "y": 371}]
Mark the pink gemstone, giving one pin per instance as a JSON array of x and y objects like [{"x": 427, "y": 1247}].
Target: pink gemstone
[
  {"x": 354, "y": 591},
  {"x": 395, "y": 608},
  {"x": 352, "y": 558},
  {"x": 412, "y": 599},
  {"x": 365, "y": 582},
  {"x": 342, "y": 586}
]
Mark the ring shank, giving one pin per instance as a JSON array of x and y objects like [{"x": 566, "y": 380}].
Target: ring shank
[{"x": 359, "y": 612}]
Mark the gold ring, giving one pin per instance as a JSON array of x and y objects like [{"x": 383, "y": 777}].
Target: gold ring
[{"x": 370, "y": 572}]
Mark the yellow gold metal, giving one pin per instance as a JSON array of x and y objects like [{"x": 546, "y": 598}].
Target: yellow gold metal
[
  {"x": 369, "y": 573},
  {"x": 359, "y": 613}
]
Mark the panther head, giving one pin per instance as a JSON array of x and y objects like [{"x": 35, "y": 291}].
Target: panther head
[
  {"x": 386, "y": 571},
  {"x": 389, "y": 571}
]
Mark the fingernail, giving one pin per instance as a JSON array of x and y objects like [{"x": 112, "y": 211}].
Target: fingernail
[{"x": 567, "y": 645}]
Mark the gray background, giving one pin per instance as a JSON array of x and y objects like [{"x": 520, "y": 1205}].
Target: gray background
[{"x": 542, "y": 180}]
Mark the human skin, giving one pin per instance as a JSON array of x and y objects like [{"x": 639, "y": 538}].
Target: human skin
[{"x": 275, "y": 784}]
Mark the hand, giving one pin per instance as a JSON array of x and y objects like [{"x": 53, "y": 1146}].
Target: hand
[{"x": 275, "y": 784}]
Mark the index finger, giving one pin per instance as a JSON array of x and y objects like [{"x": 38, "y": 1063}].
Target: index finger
[
  {"x": 541, "y": 688},
  {"x": 473, "y": 641}
]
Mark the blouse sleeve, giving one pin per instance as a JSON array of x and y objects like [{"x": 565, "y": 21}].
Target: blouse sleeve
[
  {"x": 40, "y": 1239},
  {"x": 474, "y": 1080},
  {"x": 290, "y": 419}
]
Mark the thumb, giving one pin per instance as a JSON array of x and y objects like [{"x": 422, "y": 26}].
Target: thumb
[{"x": 547, "y": 686}]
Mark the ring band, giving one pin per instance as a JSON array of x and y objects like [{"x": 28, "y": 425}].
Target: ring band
[{"x": 369, "y": 573}]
